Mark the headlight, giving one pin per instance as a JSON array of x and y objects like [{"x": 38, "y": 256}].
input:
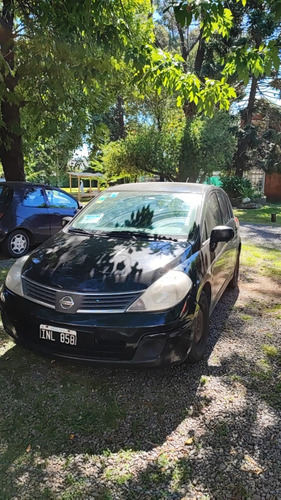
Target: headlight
[
  {"x": 13, "y": 280},
  {"x": 164, "y": 293}
]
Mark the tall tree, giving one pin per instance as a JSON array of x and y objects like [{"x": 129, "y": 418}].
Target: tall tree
[
  {"x": 57, "y": 59},
  {"x": 261, "y": 26},
  {"x": 182, "y": 150}
]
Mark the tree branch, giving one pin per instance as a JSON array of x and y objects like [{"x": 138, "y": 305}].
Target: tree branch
[{"x": 184, "y": 51}]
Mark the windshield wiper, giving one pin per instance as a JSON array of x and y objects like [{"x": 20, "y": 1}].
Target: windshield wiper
[
  {"x": 78, "y": 230},
  {"x": 164, "y": 237},
  {"x": 140, "y": 234},
  {"x": 123, "y": 234},
  {"x": 130, "y": 234}
]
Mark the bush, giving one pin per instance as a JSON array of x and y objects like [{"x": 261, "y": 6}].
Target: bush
[{"x": 237, "y": 187}]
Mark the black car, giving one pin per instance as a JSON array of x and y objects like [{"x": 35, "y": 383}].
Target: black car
[
  {"x": 131, "y": 280},
  {"x": 31, "y": 213}
]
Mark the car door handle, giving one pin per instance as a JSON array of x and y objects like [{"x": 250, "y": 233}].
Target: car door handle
[{"x": 57, "y": 213}]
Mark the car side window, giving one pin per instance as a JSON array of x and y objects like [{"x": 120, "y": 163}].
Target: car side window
[
  {"x": 5, "y": 194},
  {"x": 34, "y": 197},
  {"x": 229, "y": 207},
  {"x": 224, "y": 207},
  {"x": 57, "y": 199},
  {"x": 212, "y": 214}
]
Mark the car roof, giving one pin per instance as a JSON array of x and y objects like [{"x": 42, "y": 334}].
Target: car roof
[
  {"x": 23, "y": 184},
  {"x": 170, "y": 187}
]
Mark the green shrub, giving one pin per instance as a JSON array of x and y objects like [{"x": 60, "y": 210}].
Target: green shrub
[{"x": 237, "y": 187}]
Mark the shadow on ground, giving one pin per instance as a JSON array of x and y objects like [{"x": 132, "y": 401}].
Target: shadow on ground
[{"x": 95, "y": 421}]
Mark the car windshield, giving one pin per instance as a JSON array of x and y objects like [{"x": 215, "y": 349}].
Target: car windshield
[{"x": 148, "y": 214}]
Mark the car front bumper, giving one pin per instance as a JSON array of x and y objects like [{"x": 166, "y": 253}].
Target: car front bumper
[{"x": 118, "y": 339}]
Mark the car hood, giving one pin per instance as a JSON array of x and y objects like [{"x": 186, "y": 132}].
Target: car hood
[{"x": 106, "y": 264}]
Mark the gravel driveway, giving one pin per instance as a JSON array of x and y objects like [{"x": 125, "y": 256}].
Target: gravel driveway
[
  {"x": 261, "y": 235},
  {"x": 208, "y": 431}
]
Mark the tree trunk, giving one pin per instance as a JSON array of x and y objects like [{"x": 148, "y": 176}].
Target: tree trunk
[
  {"x": 120, "y": 117},
  {"x": 251, "y": 102},
  {"x": 183, "y": 177},
  {"x": 184, "y": 173},
  {"x": 11, "y": 153},
  {"x": 240, "y": 158},
  {"x": 184, "y": 51}
]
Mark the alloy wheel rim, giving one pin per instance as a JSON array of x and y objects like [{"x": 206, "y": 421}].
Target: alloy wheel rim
[{"x": 18, "y": 243}]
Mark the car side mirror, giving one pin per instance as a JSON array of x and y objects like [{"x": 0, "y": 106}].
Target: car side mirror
[
  {"x": 220, "y": 233},
  {"x": 65, "y": 221}
]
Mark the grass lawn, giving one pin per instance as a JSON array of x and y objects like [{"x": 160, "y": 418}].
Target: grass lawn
[
  {"x": 266, "y": 261},
  {"x": 260, "y": 215}
]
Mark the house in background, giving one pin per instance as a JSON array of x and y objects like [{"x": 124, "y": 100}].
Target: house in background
[
  {"x": 272, "y": 187},
  {"x": 268, "y": 184},
  {"x": 267, "y": 116}
]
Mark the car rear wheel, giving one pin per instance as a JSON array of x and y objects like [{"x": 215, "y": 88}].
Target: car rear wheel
[
  {"x": 17, "y": 243},
  {"x": 200, "y": 330},
  {"x": 234, "y": 280}
]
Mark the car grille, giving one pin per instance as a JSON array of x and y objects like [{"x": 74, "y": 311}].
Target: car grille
[
  {"x": 39, "y": 293},
  {"x": 91, "y": 302},
  {"x": 108, "y": 301}
]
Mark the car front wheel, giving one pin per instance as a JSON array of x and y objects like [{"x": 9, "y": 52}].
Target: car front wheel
[
  {"x": 200, "y": 330},
  {"x": 17, "y": 243}
]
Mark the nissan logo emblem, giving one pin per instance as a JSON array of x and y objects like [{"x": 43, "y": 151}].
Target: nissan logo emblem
[{"x": 66, "y": 302}]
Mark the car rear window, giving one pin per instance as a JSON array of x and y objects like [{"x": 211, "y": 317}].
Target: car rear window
[{"x": 5, "y": 195}]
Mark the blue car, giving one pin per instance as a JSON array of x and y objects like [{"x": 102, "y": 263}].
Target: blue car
[
  {"x": 131, "y": 280},
  {"x": 30, "y": 214}
]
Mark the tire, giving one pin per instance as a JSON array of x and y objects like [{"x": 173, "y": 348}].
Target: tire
[
  {"x": 234, "y": 280},
  {"x": 17, "y": 243},
  {"x": 200, "y": 330}
]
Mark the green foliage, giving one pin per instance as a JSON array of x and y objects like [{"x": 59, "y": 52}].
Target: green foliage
[
  {"x": 164, "y": 70},
  {"x": 215, "y": 18},
  {"x": 256, "y": 54},
  {"x": 72, "y": 61},
  {"x": 208, "y": 144},
  {"x": 247, "y": 61},
  {"x": 260, "y": 143},
  {"x": 149, "y": 151},
  {"x": 182, "y": 149},
  {"x": 67, "y": 61},
  {"x": 237, "y": 187}
]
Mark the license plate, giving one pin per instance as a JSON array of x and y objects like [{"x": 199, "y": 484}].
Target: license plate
[{"x": 56, "y": 334}]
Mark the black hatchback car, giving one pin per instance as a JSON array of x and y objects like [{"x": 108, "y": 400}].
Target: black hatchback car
[
  {"x": 131, "y": 280},
  {"x": 31, "y": 213}
]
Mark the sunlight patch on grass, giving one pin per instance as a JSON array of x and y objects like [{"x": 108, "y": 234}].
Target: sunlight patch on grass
[
  {"x": 272, "y": 352},
  {"x": 247, "y": 317},
  {"x": 260, "y": 215},
  {"x": 3, "y": 273},
  {"x": 267, "y": 261}
]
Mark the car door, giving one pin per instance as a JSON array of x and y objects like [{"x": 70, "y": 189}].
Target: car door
[
  {"x": 60, "y": 205},
  {"x": 229, "y": 249},
  {"x": 33, "y": 214},
  {"x": 213, "y": 261}
]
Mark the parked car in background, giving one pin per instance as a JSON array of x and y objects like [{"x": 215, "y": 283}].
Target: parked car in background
[
  {"x": 31, "y": 213},
  {"x": 131, "y": 280}
]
